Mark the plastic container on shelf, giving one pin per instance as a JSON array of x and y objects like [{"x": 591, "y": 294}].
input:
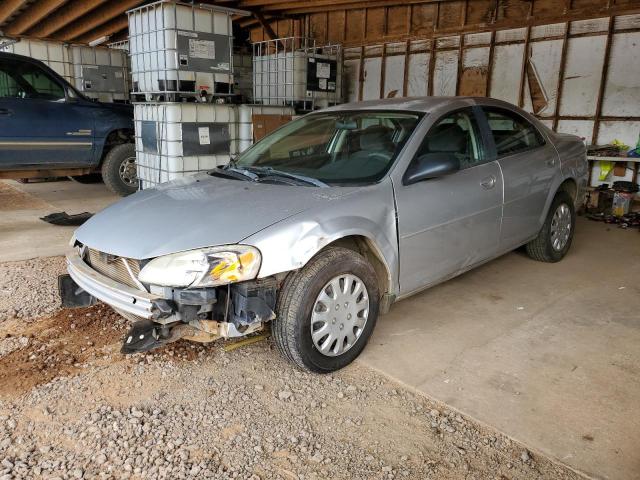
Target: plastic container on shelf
[
  {"x": 296, "y": 71},
  {"x": 178, "y": 139},
  {"x": 179, "y": 49}
]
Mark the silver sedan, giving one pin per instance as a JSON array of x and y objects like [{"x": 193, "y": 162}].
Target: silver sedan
[{"x": 324, "y": 224}]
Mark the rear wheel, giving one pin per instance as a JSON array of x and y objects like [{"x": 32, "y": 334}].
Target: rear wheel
[
  {"x": 554, "y": 240},
  {"x": 119, "y": 170},
  {"x": 327, "y": 311}
]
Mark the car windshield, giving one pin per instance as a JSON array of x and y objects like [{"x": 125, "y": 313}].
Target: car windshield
[{"x": 334, "y": 148}]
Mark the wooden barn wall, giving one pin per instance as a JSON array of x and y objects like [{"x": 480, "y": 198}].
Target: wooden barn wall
[{"x": 575, "y": 64}]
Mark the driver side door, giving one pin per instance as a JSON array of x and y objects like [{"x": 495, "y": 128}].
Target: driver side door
[
  {"x": 448, "y": 224},
  {"x": 39, "y": 126}
]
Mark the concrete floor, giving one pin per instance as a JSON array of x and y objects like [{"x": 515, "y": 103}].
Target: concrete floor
[
  {"x": 547, "y": 353},
  {"x": 23, "y": 235}
]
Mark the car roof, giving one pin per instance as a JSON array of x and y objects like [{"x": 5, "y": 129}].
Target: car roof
[{"x": 420, "y": 104}]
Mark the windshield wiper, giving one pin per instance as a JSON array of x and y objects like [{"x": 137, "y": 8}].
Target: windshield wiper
[
  {"x": 270, "y": 171},
  {"x": 240, "y": 171}
]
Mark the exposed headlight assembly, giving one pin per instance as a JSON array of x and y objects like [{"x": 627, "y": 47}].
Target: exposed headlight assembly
[{"x": 206, "y": 267}]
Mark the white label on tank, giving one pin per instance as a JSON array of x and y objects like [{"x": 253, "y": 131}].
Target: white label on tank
[
  {"x": 203, "y": 133},
  {"x": 323, "y": 70},
  {"x": 118, "y": 74},
  {"x": 322, "y": 83},
  {"x": 202, "y": 49}
]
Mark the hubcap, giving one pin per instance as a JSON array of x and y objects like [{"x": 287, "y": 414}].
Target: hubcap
[
  {"x": 128, "y": 173},
  {"x": 560, "y": 227},
  {"x": 339, "y": 315}
]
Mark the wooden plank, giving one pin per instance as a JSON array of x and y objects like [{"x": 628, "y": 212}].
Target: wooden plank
[
  {"x": 603, "y": 81},
  {"x": 318, "y": 25},
  {"x": 563, "y": 64},
  {"x": 355, "y": 22},
  {"x": 423, "y": 19},
  {"x": 336, "y": 26},
  {"x": 96, "y": 18},
  {"x": 64, "y": 16},
  {"x": 106, "y": 29},
  {"x": 473, "y": 82},
  {"x": 396, "y": 20},
  {"x": 263, "y": 125},
  {"x": 32, "y": 16},
  {"x": 9, "y": 7},
  {"x": 375, "y": 24},
  {"x": 450, "y": 14}
]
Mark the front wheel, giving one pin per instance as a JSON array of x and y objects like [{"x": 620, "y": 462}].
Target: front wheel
[
  {"x": 554, "y": 239},
  {"x": 327, "y": 311},
  {"x": 119, "y": 170}
]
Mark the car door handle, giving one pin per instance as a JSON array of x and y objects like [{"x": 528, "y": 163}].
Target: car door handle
[
  {"x": 488, "y": 182},
  {"x": 5, "y": 112},
  {"x": 551, "y": 162}
]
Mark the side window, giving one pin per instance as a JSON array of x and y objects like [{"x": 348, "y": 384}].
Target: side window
[
  {"x": 511, "y": 132},
  {"x": 455, "y": 134},
  {"x": 8, "y": 86},
  {"x": 41, "y": 83}
]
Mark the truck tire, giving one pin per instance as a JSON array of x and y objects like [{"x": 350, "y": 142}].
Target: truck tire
[
  {"x": 327, "y": 310},
  {"x": 119, "y": 170},
  {"x": 554, "y": 240}
]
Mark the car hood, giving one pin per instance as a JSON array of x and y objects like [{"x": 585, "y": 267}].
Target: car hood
[{"x": 196, "y": 212}]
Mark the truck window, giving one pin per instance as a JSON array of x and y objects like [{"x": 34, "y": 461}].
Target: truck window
[{"x": 27, "y": 80}]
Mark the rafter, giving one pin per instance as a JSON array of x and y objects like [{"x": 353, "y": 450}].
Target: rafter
[
  {"x": 32, "y": 15},
  {"x": 63, "y": 17},
  {"x": 106, "y": 29},
  {"x": 8, "y": 8},
  {"x": 94, "y": 19}
]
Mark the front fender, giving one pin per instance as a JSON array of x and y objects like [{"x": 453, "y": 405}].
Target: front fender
[{"x": 290, "y": 244}]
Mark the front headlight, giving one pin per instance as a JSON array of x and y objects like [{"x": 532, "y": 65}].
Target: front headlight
[{"x": 206, "y": 267}]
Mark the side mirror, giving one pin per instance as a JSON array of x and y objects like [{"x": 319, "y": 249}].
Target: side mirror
[{"x": 431, "y": 165}]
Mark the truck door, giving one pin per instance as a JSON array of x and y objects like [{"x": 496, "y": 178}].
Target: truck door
[{"x": 41, "y": 125}]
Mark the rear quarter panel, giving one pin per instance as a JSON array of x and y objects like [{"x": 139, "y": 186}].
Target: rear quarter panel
[{"x": 572, "y": 153}]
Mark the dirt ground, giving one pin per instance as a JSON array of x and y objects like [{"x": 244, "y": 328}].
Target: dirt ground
[{"x": 71, "y": 406}]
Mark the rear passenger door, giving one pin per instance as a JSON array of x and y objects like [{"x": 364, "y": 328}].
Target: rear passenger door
[{"x": 528, "y": 163}]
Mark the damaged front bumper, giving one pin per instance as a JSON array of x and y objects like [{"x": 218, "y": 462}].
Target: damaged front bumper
[
  {"x": 201, "y": 315},
  {"x": 118, "y": 295}
]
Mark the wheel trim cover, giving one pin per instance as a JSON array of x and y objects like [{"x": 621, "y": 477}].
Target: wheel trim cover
[
  {"x": 561, "y": 227},
  {"x": 128, "y": 173},
  {"x": 339, "y": 315}
]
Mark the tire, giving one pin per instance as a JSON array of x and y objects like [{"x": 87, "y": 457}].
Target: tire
[
  {"x": 552, "y": 244},
  {"x": 120, "y": 158},
  {"x": 299, "y": 298},
  {"x": 88, "y": 178}
]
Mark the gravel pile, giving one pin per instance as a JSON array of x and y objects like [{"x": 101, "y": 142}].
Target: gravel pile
[
  {"x": 199, "y": 412},
  {"x": 73, "y": 407},
  {"x": 29, "y": 289}
]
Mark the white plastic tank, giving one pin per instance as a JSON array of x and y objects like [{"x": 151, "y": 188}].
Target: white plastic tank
[
  {"x": 180, "y": 48},
  {"x": 56, "y": 55},
  {"x": 174, "y": 140},
  {"x": 101, "y": 73}
]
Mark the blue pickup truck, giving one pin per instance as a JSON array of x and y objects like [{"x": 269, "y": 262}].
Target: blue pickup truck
[{"x": 48, "y": 128}]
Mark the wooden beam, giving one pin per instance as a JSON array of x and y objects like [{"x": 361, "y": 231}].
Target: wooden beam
[
  {"x": 298, "y": 7},
  {"x": 265, "y": 25},
  {"x": 32, "y": 15},
  {"x": 338, "y": 4},
  {"x": 96, "y": 18},
  {"x": 563, "y": 64},
  {"x": 106, "y": 29},
  {"x": 63, "y": 17},
  {"x": 8, "y": 8},
  {"x": 603, "y": 81}
]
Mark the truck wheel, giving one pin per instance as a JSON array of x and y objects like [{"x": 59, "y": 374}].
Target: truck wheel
[
  {"x": 327, "y": 311},
  {"x": 119, "y": 170},
  {"x": 88, "y": 178},
  {"x": 554, "y": 240}
]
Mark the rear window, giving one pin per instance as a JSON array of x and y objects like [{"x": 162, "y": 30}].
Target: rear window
[{"x": 511, "y": 132}]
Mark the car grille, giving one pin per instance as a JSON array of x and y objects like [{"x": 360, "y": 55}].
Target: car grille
[{"x": 114, "y": 267}]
